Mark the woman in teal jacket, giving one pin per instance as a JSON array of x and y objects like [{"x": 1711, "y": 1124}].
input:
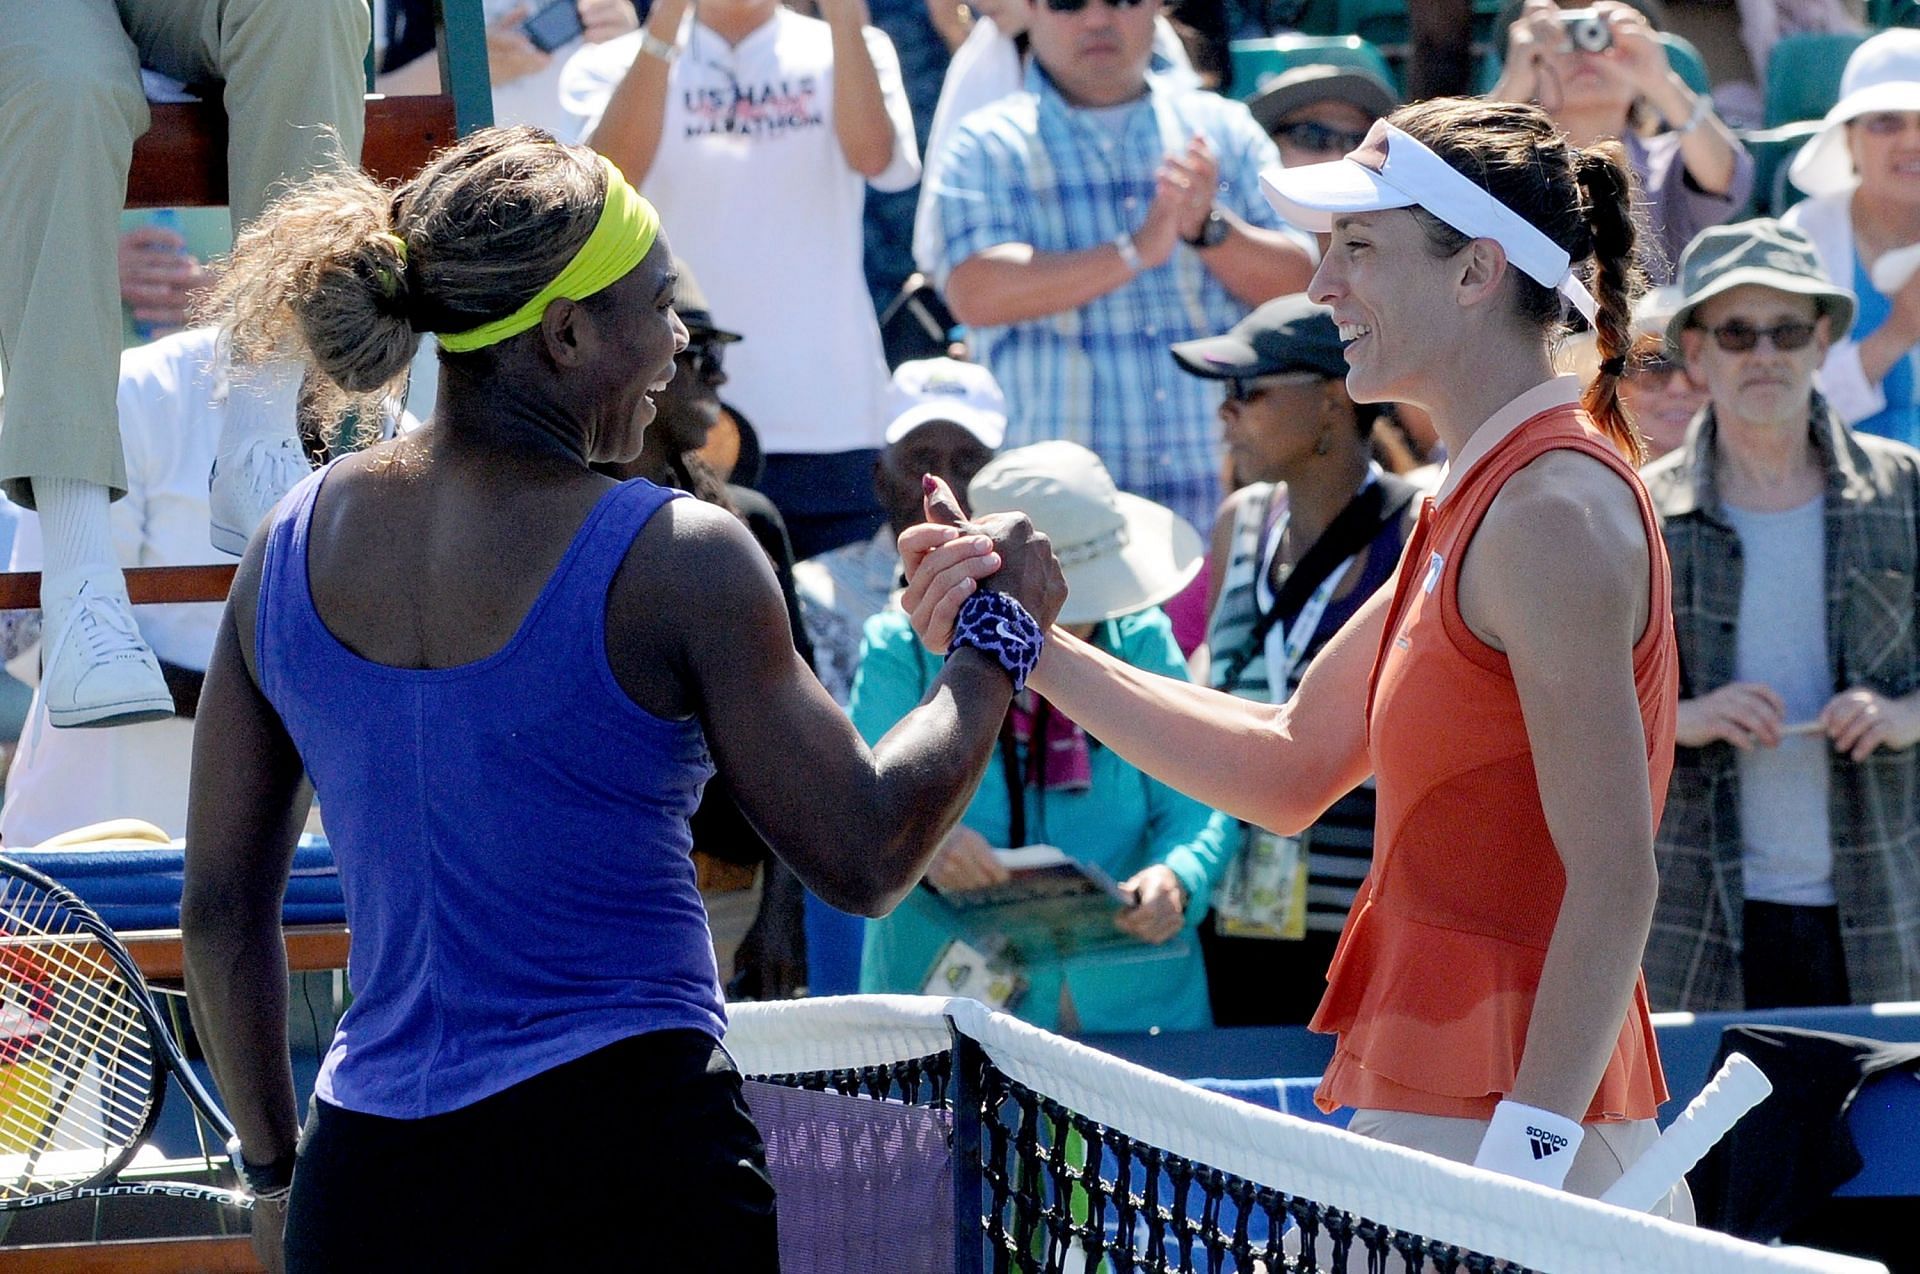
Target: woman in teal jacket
[{"x": 1122, "y": 556}]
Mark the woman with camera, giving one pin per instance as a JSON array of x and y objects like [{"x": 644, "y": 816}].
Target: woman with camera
[{"x": 1602, "y": 74}]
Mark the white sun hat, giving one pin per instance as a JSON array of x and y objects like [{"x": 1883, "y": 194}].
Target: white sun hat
[
  {"x": 1392, "y": 170},
  {"x": 1882, "y": 75},
  {"x": 1120, "y": 553}
]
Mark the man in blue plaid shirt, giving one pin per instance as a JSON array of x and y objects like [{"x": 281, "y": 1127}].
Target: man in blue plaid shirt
[{"x": 1092, "y": 218}]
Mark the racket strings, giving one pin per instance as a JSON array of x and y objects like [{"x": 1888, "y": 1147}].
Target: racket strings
[{"x": 77, "y": 1060}]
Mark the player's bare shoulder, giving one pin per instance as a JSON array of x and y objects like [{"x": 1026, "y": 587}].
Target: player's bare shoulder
[{"x": 1562, "y": 541}]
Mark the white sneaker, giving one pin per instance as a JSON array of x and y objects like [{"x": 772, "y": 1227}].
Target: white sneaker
[
  {"x": 259, "y": 457},
  {"x": 99, "y": 670},
  {"x": 245, "y": 486}
]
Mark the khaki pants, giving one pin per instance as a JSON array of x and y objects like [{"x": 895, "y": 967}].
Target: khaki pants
[
  {"x": 71, "y": 106},
  {"x": 1604, "y": 1153}
]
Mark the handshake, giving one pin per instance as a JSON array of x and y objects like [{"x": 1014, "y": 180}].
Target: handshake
[{"x": 949, "y": 558}]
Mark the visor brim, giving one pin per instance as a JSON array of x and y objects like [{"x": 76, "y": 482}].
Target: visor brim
[{"x": 1311, "y": 196}]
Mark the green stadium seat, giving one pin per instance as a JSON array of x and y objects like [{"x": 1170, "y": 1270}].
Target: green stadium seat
[
  {"x": 1312, "y": 17},
  {"x": 1386, "y": 24},
  {"x": 1803, "y": 76},
  {"x": 1255, "y": 62},
  {"x": 1893, "y": 13},
  {"x": 1773, "y": 150}
]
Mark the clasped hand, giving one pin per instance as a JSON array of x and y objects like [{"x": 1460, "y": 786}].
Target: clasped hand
[
  {"x": 948, "y": 558},
  {"x": 1747, "y": 715}
]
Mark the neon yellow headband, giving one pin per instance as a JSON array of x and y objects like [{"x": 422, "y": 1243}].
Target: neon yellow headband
[{"x": 627, "y": 228}]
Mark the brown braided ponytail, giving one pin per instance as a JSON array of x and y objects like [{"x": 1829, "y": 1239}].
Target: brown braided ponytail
[{"x": 1606, "y": 197}]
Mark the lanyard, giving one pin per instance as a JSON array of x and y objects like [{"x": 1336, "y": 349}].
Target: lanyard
[{"x": 1285, "y": 646}]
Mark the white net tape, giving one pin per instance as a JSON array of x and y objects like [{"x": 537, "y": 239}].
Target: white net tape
[{"x": 1542, "y": 1229}]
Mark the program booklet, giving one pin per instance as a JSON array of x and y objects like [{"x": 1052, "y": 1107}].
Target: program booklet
[{"x": 1053, "y": 907}]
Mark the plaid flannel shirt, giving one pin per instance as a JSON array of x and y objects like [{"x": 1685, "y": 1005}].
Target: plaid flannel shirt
[
  {"x": 1032, "y": 169},
  {"x": 1872, "y": 568}
]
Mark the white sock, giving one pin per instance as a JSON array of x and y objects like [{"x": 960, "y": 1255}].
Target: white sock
[
  {"x": 261, "y": 402},
  {"x": 74, "y": 524}
]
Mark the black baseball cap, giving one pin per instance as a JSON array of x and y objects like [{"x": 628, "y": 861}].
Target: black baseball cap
[{"x": 1290, "y": 334}]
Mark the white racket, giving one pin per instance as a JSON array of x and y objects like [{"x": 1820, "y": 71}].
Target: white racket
[{"x": 1737, "y": 1089}]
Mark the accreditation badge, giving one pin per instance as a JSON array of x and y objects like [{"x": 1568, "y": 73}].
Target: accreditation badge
[
  {"x": 1264, "y": 894},
  {"x": 964, "y": 971}
]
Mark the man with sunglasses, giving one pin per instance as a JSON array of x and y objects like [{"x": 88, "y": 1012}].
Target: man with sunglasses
[
  {"x": 1094, "y": 217},
  {"x": 1318, "y": 113},
  {"x": 1793, "y": 820}
]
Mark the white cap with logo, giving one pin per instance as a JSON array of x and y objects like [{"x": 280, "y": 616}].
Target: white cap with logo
[{"x": 930, "y": 389}]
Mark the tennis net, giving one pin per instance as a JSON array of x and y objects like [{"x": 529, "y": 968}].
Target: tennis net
[{"x": 921, "y": 1134}]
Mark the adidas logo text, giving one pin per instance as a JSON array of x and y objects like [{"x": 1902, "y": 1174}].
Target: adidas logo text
[{"x": 1545, "y": 1143}]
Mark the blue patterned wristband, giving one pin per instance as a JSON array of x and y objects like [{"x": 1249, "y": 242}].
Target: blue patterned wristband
[{"x": 997, "y": 625}]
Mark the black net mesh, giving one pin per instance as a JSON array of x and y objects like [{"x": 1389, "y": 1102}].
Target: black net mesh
[{"x": 1060, "y": 1193}]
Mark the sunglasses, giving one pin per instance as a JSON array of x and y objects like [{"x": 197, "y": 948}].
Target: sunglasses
[
  {"x": 1074, "y": 6},
  {"x": 1738, "y": 337},
  {"x": 1310, "y": 135},
  {"x": 704, "y": 359}
]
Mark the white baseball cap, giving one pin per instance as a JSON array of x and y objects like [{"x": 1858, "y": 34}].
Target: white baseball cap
[
  {"x": 930, "y": 389},
  {"x": 1882, "y": 75},
  {"x": 1392, "y": 170}
]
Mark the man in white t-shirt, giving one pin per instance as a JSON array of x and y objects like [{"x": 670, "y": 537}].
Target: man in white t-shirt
[
  {"x": 756, "y": 132},
  {"x": 171, "y": 400}
]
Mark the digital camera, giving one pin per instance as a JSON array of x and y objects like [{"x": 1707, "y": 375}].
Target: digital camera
[{"x": 1586, "y": 30}]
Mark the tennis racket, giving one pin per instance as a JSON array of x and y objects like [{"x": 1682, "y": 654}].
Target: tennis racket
[{"x": 84, "y": 1055}]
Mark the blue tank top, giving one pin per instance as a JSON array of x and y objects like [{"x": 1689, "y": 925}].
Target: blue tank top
[
  {"x": 1897, "y": 420},
  {"x": 511, "y": 834}
]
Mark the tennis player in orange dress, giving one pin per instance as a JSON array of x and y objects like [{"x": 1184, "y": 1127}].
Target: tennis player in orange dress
[{"x": 1513, "y": 692}]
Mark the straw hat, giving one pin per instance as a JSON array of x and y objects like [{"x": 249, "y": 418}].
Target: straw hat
[
  {"x": 1120, "y": 553},
  {"x": 1882, "y": 75}
]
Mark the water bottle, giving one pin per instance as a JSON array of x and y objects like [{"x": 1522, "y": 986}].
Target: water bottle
[{"x": 163, "y": 219}]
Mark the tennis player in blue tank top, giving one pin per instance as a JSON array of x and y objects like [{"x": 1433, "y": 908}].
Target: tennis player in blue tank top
[{"x": 507, "y": 678}]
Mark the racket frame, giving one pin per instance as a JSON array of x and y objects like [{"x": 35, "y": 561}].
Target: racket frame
[{"x": 166, "y": 1059}]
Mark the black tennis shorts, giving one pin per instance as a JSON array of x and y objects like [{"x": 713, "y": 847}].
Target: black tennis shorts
[{"x": 641, "y": 1156}]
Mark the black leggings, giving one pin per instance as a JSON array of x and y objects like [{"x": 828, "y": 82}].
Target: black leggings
[{"x": 640, "y": 1156}]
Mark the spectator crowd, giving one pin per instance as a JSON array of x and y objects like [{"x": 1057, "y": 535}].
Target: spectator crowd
[{"x": 1023, "y": 245}]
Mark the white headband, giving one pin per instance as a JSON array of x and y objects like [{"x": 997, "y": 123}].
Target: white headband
[{"x": 1392, "y": 170}]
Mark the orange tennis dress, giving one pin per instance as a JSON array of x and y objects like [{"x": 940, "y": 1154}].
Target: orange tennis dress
[{"x": 1433, "y": 983}]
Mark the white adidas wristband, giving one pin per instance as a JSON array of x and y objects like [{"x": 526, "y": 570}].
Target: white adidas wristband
[{"x": 1532, "y": 1144}]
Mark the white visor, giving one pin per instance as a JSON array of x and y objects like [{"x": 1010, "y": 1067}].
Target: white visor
[{"x": 1392, "y": 170}]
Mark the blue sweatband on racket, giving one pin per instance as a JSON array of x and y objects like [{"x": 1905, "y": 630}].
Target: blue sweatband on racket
[{"x": 1532, "y": 1144}]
